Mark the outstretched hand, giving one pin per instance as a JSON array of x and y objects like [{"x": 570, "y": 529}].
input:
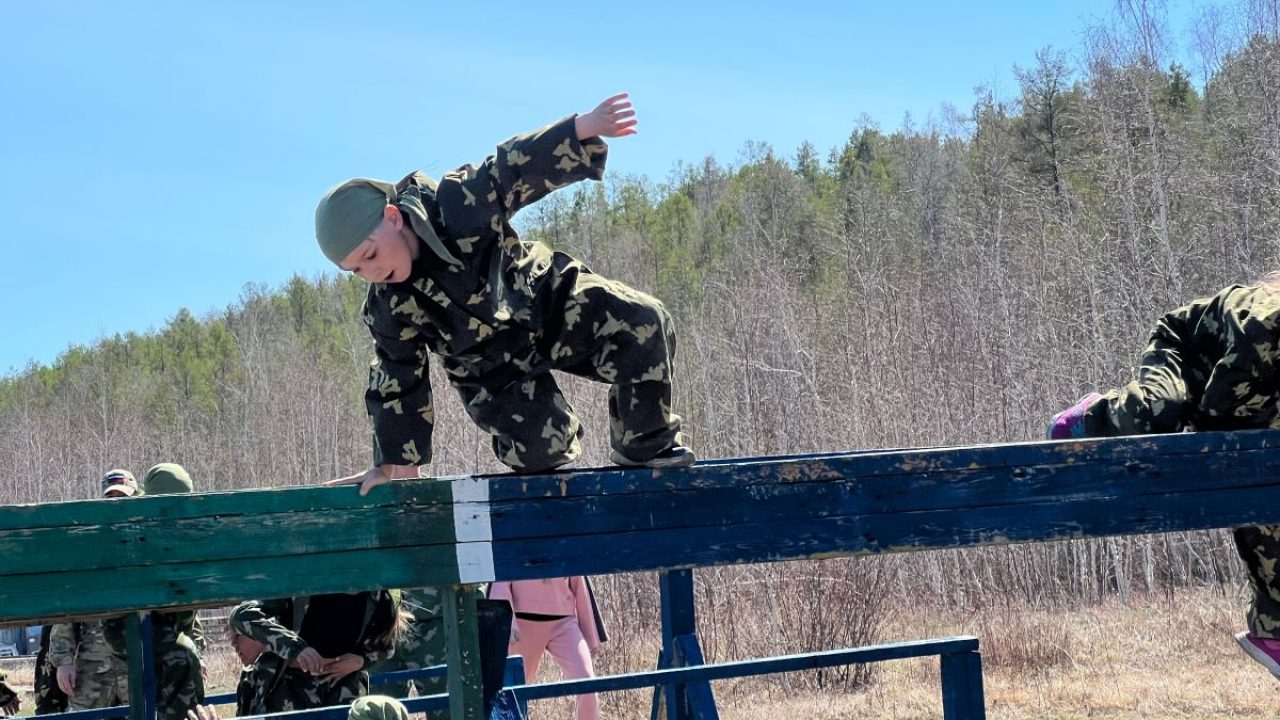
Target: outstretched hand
[
  {"x": 611, "y": 118},
  {"x": 375, "y": 476}
]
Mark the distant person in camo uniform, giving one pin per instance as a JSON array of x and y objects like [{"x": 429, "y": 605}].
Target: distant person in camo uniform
[
  {"x": 87, "y": 669},
  {"x": 1213, "y": 364},
  {"x": 176, "y": 636},
  {"x": 448, "y": 275}
]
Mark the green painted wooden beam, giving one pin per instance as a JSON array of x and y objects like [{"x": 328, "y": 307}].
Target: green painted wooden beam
[{"x": 218, "y": 548}]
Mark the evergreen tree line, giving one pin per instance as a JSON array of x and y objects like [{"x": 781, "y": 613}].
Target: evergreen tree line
[{"x": 949, "y": 283}]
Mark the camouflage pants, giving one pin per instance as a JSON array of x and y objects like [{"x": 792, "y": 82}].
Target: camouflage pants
[
  {"x": 1259, "y": 546},
  {"x": 260, "y": 691},
  {"x": 179, "y": 677},
  {"x": 422, "y": 645},
  {"x": 101, "y": 689},
  {"x": 49, "y": 697},
  {"x": 594, "y": 328}
]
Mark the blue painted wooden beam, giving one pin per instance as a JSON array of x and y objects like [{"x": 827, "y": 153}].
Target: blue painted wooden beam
[{"x": 217, "y": 548}]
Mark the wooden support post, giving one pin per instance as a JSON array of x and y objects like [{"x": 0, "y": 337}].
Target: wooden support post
[
  {"x": 142, "y": 666},
  {"x": 461, "y": 626},
  {"x": 962, "y": 693}
]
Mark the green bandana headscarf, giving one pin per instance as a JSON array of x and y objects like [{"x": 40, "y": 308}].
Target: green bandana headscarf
[
  {"x": 377, "y": 707},
  {"x": 350, "y": 212},
  {"x": 167, "y": 479}
]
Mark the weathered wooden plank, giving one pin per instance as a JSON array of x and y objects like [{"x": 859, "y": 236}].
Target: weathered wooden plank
[
  {"x": 220, "y": 547},
  {"x": 42, "y": 597},
  {"x": 262, "y": 501},
  {"x": 544, "y": 517},
  {"x": 150, "y": 540},
  {"x": 869, "y": 464},
  {"x": 890, "y": 532}
]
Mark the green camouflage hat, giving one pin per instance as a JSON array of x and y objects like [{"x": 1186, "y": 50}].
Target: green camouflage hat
[
  {"x": 167, "y": 479},
  {"x": 349, "y": 213},
  {"x": 377, "y": 707}
]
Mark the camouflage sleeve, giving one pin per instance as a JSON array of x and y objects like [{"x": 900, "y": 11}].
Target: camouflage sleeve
[
  {"x": 195, "y": 631},
  {"x": 1163, "y": 396},
  {"x": 398, "y": 398},
  {"x": 258, "y": 620},
  {"x": 525, "y": 168},
  {"x": 62, "y": 644}
]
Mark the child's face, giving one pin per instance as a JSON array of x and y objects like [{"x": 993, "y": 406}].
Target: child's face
[
  {"x": 387, "y": 255},
  {"x": 247, "y": 649}
]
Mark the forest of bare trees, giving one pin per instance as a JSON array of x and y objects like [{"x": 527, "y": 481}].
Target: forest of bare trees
[{"x": 947, "y": 283}]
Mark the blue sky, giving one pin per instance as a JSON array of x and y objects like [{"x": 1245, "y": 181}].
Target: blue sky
[{"x": 161, "y": 155}]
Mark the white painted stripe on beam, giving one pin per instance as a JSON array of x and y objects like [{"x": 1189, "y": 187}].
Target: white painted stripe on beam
[
  {"x": 471, "y": 510},
  {"x": 473, "y": 530},
  {"x": 475, "y": 562}
]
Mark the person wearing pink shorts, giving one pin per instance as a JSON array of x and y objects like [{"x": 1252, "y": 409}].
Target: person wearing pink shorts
[{"x": 555, "y": 615}]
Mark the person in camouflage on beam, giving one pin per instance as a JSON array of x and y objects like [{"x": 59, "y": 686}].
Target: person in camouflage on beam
[
  {"x": 88, "y": 671},
  {"x": 1209, "y": 365},
  {"x": 450, "y": 276},
  {"x": 312, "y": 651},
  {"x": 421, "y": 645},
  {"x": 10, "y": 703},
  {"x": 177, "y": 639}
]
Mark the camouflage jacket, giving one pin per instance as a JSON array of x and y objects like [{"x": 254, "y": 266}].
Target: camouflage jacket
[
  {"x": 477, "y": 294},
  {"x": 82, "y": 644},
  {"x": 166, "y": 627},
  {"x": 275, "y": 624},
  {"x": 1225, "y": 349}
]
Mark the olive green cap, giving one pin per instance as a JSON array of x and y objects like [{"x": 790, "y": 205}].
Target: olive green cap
[
  {"x": 167, "y": 479},
  {"x": 377, "y": 707},
  {"x": 349, "y": 213}
]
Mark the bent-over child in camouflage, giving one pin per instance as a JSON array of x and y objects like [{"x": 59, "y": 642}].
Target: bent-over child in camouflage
[
  {"x": 450, "y": 276},
  {"x": 316, "y": 649},
  {"x": 1210, "y": 365}
]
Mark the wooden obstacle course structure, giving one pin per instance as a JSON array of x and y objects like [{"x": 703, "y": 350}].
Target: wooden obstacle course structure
[{"x": 218, "y": 548}]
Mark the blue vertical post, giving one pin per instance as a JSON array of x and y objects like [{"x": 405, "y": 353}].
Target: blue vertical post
[
  {"x": 679, "y": 617},
  {"x": 513, "y": 675},
  {"x": 680, "y": 648},
  {"x": 962, "y": 694},
  {"x": 142, "y": 666}
]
